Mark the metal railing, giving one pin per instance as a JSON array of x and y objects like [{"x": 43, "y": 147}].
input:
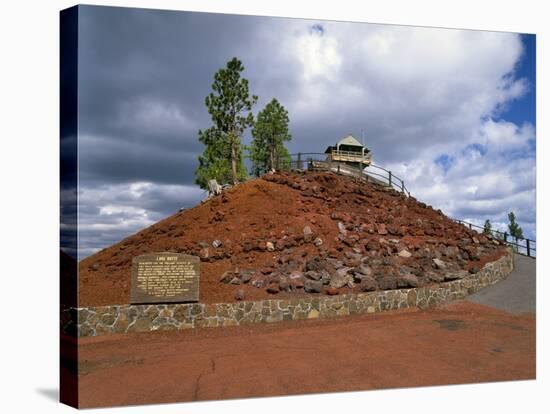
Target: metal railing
[
  {"x": 525, "y": 247},
  {"x": 320, "y": 161}
]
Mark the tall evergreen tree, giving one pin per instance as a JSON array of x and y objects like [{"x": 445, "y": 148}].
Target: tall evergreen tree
[
  {"x": 270, "y": 132},
  {"x": 487, "y": 227},
  {"x": 229, "y": 104},
  {"x": 513, "y": 227}
]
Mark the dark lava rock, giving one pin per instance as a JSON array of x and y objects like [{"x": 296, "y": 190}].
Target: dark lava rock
[
  {"x": 325, "y": 277},
  {"x": 245, "y": 275},
  {"x": 284, "y": 284},
  {"x": 407, "y": 280},
  {"x": 456, "y": 275},
  {"x": 258, "y": 281},
  {"x": 387, "y": 282},
  {"x": 249, "y": 246},
  {"x": 296, "y": 284},
  {"x": 339, "y": 280},
  {"x": 363, "y": 269},
  {"x": 313, "y": 286},
  {"x": 368, "y": 284},
  {"x": 315, "y": 263},
  {"x": 312, "y": 275},
  {"x": 227, "y": 276},
  {"x": 273, "y": 288}
]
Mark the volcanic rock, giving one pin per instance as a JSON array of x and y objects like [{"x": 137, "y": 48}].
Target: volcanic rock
[
  {"x": 368, "y": 283},
  {"x": 339, "y": 281},
  {"x": 405, "y": 254},
  {"x": 312, "y": 275},
  {"x": 408, "y": 280},
  {"x": 254, "y": 238},
  {"x": 313, "y": 286},
  {"x": 439, "y": 264},
  {"x": 273, "y": 288},
  {"x": 387, "y": 282},
  {"x": 245, "y": 275},
  {"x": 315, "y": 263},
  {"x": 456, "y": 275},
  {"x": 308, "y": 234},
  {"x": 342, "y": 229}
]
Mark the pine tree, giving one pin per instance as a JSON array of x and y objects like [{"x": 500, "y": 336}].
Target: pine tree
[
  {"x": 270, "y": 132},
  {"x": 513, "y": 227},
  {"x": 487, "y": 228},
  {"x": 229, "y": 105}
]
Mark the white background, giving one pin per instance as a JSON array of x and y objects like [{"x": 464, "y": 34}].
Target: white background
[{"x": 29, "y": 204}]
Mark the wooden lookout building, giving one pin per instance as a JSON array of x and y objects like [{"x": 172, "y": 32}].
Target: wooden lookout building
[{"x": 350, "y": 151}]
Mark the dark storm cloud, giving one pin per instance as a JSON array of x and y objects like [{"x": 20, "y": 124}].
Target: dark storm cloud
[
  {"x": 144, "y": 75},
  {"x": 105, "y": 160}
]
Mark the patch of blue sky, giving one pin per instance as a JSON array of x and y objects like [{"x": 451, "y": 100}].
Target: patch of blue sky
[
  {"x": 445, "y": 161},
  {"x": 524, "y": 109}
]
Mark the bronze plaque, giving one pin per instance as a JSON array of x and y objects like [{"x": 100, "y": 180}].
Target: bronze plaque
[{"x": 165, "y": 277}]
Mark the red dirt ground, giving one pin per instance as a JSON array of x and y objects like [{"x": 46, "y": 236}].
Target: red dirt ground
[
  {"x": 459, "y": 343},
  {"x": 276, "y": 208}
]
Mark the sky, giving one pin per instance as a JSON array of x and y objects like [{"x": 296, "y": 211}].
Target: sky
[{"x": 450, "y": 111}]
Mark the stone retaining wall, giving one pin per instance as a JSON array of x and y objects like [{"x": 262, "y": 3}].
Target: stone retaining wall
[{"x": 104, "y": 320}]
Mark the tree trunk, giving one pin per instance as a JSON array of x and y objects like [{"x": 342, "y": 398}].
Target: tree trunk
[
  {"x": 271, "y": 160},
  {"x": 234, "y": 163}
]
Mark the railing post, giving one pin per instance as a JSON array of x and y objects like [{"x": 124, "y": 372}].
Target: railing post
[
  {"x": 505, "y": 237},
  {"x": 389, "y": 178},
  {"x": 528, "y": 248},
  {"x": 299, "y": 162},
  {"x": 402, "y": 186},
  {"x": 470, "y": 225},
  {"x": 338, "y": 168}
]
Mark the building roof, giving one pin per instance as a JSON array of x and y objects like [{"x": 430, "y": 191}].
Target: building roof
[{"x": 350, "y": 140}]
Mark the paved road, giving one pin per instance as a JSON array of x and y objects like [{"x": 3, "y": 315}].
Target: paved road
[{"x": 515, "y": 294}]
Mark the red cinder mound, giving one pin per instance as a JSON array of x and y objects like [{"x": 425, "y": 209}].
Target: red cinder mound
[{"x": 298, "y": 233}]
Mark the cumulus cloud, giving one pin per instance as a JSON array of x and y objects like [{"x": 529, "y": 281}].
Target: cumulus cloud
[{"x": 432, "y": 101}]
